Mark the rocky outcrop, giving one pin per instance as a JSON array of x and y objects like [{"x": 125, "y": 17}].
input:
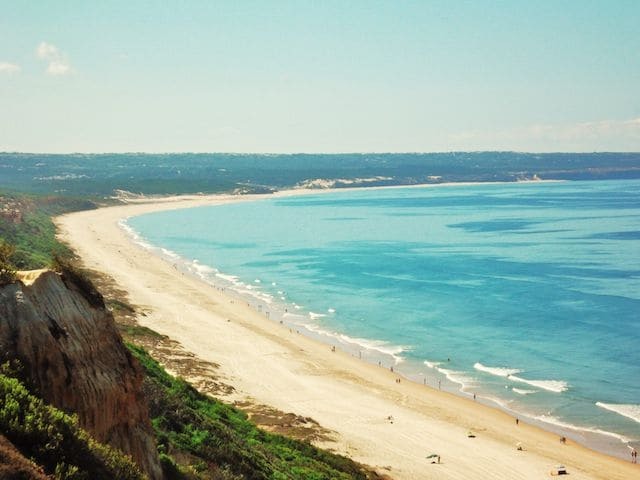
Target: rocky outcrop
[{"x": 73, "y": 357}]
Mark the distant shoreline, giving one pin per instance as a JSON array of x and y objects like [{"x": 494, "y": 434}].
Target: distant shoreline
[
  {"x": 215, "y": 197},
  {"x": 190, "y": 311}
]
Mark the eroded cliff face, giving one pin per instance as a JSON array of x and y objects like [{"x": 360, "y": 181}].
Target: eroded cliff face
[{"x": 74, "y": 357}]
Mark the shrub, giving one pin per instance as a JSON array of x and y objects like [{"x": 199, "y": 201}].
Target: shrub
[
  {"x": 221, "y": 437},
  {"x": 54, "y": 440},
  {"x": 7, "y": 270}
]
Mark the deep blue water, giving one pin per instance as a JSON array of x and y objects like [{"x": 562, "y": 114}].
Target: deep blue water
[{"x": 526, "y": 295}]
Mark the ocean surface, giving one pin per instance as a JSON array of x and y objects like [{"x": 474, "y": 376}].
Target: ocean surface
[{"x": 527, "y": 295}]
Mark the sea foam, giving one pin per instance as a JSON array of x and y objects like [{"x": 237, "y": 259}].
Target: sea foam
[
  {"x": 454, "y": 376},
  {"x": 626, "y": 410},
  {"x": 498, "y": 371},
  {"x": 523, "y": 391},
  {"x": 137, "y": 239},
  {"x": 559, "y": 423},
  {"x": 556, "y": 386},
  {"x": 380, "y": 346}
]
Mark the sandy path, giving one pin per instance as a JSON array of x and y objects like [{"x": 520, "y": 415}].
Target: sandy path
[{"x": 267, "y": 363}]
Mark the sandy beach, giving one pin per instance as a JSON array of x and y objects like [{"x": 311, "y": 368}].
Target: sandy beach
[{"x": 269, "y": 364}]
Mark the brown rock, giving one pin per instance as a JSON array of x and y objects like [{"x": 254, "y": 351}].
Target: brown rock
[
  {"x": 74, "y": 358},
  {"x": 14, "y": 466}
]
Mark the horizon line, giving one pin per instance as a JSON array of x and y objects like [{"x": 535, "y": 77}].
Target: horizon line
[{"x": 437, "y": 152}]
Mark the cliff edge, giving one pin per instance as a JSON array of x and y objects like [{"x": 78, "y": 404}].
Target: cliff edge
[{"x": 73, "y": 357}]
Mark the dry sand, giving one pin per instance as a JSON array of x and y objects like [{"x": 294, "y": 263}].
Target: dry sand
[{"x": 269, "y": 364}]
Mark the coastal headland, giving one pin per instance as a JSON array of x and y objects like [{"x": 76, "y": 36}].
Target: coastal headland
[{"x": 393, "y": 427}]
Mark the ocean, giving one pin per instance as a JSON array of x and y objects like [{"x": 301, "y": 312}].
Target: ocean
[{"x": 526, "y": 295}]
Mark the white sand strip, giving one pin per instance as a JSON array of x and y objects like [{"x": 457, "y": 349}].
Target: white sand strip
[{"x": 269, "y": 364}]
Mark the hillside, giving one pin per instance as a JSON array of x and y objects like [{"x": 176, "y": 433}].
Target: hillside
[{"x": 100, "y": 175}]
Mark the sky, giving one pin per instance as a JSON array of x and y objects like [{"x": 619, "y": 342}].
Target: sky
[{"x": 275, "y": 76}]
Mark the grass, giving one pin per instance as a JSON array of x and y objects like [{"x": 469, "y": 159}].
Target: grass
[
  {"x": 220, "y": 442},
  {"x": 32, "y": 232},
  {"x": 54, "y": 440}
]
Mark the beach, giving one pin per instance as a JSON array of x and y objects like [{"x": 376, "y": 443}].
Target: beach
[{"x": 388, "y": 425}]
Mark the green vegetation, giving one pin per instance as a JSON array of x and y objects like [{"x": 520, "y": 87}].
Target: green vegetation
[
  {"x": 7, "y": 270},
  {"x": 221, "y": 443},
  {"x": 181, "y": 173},
  {"x": 25, "y": 222},
  {"x": 54, "y": 440}
]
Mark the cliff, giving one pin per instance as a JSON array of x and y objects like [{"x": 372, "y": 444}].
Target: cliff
[
  {"x": 15, "y": 466},
  {"x": 73, "y": 358}
]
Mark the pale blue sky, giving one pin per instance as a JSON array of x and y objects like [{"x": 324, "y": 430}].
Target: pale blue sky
[{"x": 319, "y": 76}]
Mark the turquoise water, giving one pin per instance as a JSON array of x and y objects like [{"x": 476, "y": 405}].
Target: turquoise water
[{"x": 527, "y": 295}]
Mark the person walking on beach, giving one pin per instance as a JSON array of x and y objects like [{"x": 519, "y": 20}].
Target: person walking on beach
[
  {"x": 517, "y": 421},
  {"x": 634, "y": 455}
]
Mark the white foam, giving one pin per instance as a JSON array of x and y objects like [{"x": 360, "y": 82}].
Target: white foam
[
  {"x": 559, "y": 423},
  {"x": 454, "y": 376},
  {"x": 459, "y": 378},
  {"x": 556, "y": 386},
  {"x": 498, "y": 371},
  {"x": 331, "y": 310},
  {"x": 137, "y": 239},
  {"x": 167, "y": 252},
  {"x": 229, "y": 278},
  {"x": 263, "y": 297},
  {"x": 315, "y": 316},
  {"x": 522, "y": 391},
  {"x": 379, "y": 346},
  {"x": 203, "y": 271},
  {"x": 626, "y": 410},
  {"x": 386, "y": 348},
  {"x": 257, "y": 280}
]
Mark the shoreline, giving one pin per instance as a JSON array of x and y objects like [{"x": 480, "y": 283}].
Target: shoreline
[
  {"x": 342, "y": 393},
  {"x": 607, "y": 442}
]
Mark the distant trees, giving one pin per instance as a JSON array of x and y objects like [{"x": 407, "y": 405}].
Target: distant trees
[{"x": 7, "y": 270}]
